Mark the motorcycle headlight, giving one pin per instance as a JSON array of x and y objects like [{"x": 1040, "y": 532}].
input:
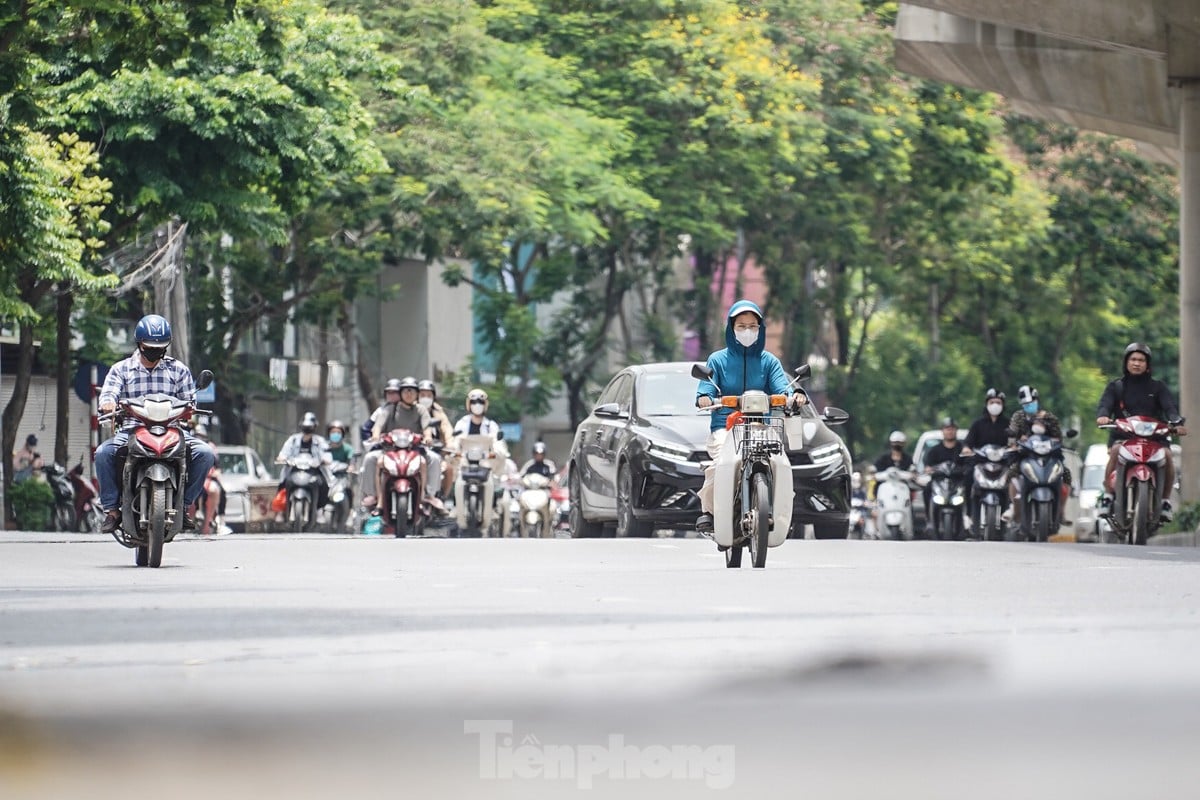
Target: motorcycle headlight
[
  {"x": 475, "y": 455},
  {"x": 957, "y": 500},
  {"x": 756, "y": 402},
  {"x": 940, "y": 499},
  {"x": 532, "y": 517},
  {"x": 535, "y": 498},
  {"x": 1144, "y": 428},
  {"x": 670, "y": 452},
  {"x": 301, "y": 479},
  {"x": 1042, "y": 446}
]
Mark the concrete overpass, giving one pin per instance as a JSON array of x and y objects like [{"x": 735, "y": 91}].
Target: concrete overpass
[{"x": 1130, "y": 68}]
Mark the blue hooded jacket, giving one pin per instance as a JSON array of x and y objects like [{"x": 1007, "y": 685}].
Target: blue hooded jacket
[{"x": 737, "y": 368}]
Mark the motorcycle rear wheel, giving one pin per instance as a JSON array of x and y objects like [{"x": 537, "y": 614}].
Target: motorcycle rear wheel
[
  {"x": 760, "y": 502},
  {"x": 64, "y": 518}
]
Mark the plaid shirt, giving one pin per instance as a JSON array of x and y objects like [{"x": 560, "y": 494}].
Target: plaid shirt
[{"x": 128, "y": 380}]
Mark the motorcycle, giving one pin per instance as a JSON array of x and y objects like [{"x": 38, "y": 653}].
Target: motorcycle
[
  {"x": 1040, "y": 483},
  {"x": 155, "y": 472},
  {"x": 63, "y": 516},
  {"x": 946, "y": 499},
  {"x": 1138, "y": 479},
  {"x": 560, "y": 496},
  {"x": 401, "y": 493},
  {"x": 893, "y": 503},
  {"x": 989, "y": 494},
  {"x": 861, "y": 525},
  {"x": 303, "y": 485},
  {"x": 337, "y": 510},
  {"x": 88, "y": 513},
  {"x": 536, "y": 511},
  {"x": 474, "y": 486},
  {"x": 752, "y": 499}
]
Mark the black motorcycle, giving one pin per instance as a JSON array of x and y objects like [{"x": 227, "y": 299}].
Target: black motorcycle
[
  {"x": 989, "y": 492},
  {"x": 306, "y": 492},
  {"x": 64, "y": 497},
  {"x": 947, "y": 498},
  {"x": 1040, "y": 474}
]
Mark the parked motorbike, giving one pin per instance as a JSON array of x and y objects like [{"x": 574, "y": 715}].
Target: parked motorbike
[
  {"x": 947, "y": 499},
  {"x": 402, "y": 494},
  {"x": 155, "y": 473},
  {"x": 752, "y": 499},
  {"x": 1138, "y": 480},
  {"x": 63, "y": 515},
  {"x": 475, "y": 488},
  {"x": 1040, "y": 483},
  {"x": 893, "y": 503},
  {"x": 989, "y": 494},
  {"x": 304, "y": 484},
  {"x": 88, "y": 514}
]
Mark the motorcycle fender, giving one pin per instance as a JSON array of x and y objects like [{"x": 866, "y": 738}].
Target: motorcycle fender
[
  {"x": 401, "y": 486},
  {"x": 990, "y": 499},
  {"x": 158, "y": 472},
  {"x": 782, "y": 511},
  {"x": 300, "y": 493},
  {"x": 725, "y": 477},
  {"x": 893, "y": 518},
  {"x": 1138, "y": 472},
  {"x": 1042, "y": 494}
]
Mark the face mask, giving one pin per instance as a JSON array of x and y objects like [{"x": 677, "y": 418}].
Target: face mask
[
  {"x": 335, "y": 437},
  {"x": 426, "y": 401},
  {"x": 995, "y": 408},
  {"x": 477, "y": 408},
  {"x": 153, "y": 354},
  {"x": 746, "y": 337},
  {"x": 1030, "y": 408}
]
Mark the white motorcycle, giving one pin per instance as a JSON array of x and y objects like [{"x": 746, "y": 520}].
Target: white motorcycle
[
  {"x": 893, "y": 503},
  {"x": 752, "y": 498},
  {"x": 535, "y": 508},
  {"x": 475, "y": 486}
]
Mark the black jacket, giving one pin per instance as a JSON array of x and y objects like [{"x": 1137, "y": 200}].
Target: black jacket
[
  {"x": 1138, "y": 395},
  {"x": 985, "y": 430},
  {"x": 939, "y": 453},
  {"x": 885, "y": 462}
]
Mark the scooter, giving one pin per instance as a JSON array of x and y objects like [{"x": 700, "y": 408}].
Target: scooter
[
  {"x": 337, "y": 510},
  {"x": 475, "y": 486},
  {"x": 535, "y": 507},
  {"x": 63, "y": 517},
  {"x": 752, "y": 498},
  {"x": 1040, "y": 483},
  {"x": 155, "y": 472},
  {"x": 303, "y": 486},
  {"x": 88, "y": 513},
  {"x": 1138, "y": 479},
  {"x": 989, "y": 492},
  {"x": 947, "y": 496},
  {"x": 893, "y": 503},
  {"x": 401, "y": 492}
]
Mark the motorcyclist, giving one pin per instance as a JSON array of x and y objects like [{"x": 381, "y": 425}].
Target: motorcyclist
[
  {"x": 992, "y": 427},
  {"x": 440, "y": 433},
  {"x": 339, "y": 448},
  {"x": 1020, "y": 428},
  {"x": 742, "y": 365},
  {"x": 895, "y": 456},
  {"x": 399, "y": 411},
  {"x": 948, "y": 449},
  {"x": 307, "y": 440},
  {"x": 538, "y": 463},
  {"x": 214, "y": 497},
  {"x": 1134, "y": 394},
  {"x": 147, "y": 371}
]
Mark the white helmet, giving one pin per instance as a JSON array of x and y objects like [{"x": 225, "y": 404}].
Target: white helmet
[{"x": 898, "y": 437}]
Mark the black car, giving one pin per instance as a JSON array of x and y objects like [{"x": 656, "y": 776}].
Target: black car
[{"x": 636, "y": 461}]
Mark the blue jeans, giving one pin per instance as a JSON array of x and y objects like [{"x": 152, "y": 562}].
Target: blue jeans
[{"x": 200, "y": 460}]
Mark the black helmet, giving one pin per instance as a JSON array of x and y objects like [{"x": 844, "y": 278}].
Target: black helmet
[
  {"x": 393, "y": 385},
  {"x": 427, "y": 386},
  {"x": 309, "y": 423},
  {"x": 993, "y": 394},
  {"x": 408, "y": 382},
  {"x": 337, "y": 423},
  {"x": 1136, "y": 347},
  {"x": 948, "y": 422}
]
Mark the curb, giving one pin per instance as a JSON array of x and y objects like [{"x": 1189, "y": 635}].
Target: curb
[{"x": 1185, "y": 539}]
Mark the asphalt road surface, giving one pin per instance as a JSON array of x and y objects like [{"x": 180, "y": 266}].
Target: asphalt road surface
[{"x": 315, "y": 666}]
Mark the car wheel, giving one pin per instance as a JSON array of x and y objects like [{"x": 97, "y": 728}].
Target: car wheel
[
  {"x": 831, "y": 530},
  {"x": 627, "y": 524},
  {"x": 580, "y": 527}
]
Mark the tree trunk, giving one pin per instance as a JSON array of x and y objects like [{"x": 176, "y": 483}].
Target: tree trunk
[
  {"x": 704, "y": 300},
  {"x": 66, "y": 301},
  {"x": 15, "y": 410}
]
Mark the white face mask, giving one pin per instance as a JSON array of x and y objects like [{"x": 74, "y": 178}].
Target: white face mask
[
  {"x": 477, "y": 408},
  {"x": 746, "y": 338},
  {"x": 426, "y": 401},
  {"x": 995, "y": 408}
]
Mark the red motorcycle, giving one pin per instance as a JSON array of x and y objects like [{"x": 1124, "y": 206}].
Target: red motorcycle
[
  {"x": 1137, "y": 481},
  {"x": 402, "y": 494},
  {"x": 87, "y": 505}
]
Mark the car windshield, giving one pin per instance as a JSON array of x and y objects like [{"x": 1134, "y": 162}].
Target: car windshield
[
  {"x": 232, "y": 463},
  {"x": 667, "y": 394},
  {"x": 1093, "y": 476}
]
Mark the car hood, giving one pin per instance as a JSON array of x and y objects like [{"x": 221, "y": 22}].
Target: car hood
[{"x": 687, "y": 430}]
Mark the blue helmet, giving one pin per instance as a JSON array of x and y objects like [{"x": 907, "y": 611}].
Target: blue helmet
[{"x": 152, "y": 330}]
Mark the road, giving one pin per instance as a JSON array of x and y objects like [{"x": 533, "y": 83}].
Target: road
[{"x": 312, "y": 666}]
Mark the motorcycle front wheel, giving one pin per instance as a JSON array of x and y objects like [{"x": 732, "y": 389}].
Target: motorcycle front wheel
[
  {"x": 1140, "y": 530},
  {"x": 400, "y": 504},
  {"x": 991, "y": 523},
  {"x": 760, "y": 503},
  {"x": 1042, "y": 514},
  {"x": 156, "y": 529},
  {"x": 64, "y": 518}
]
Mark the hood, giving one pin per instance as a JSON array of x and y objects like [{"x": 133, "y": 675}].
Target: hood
[
  {"x": 731, "y": 341},
  {"x": 686, "y": 430}
]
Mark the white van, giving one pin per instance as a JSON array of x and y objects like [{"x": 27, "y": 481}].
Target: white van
[{"x": 1090, "y": 485}]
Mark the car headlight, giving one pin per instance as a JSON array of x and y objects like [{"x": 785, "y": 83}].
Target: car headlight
[
  {"x": 756, "y": 402},
  {"x": 825, "y": 454},
  {"x": 670, "y": 452}
]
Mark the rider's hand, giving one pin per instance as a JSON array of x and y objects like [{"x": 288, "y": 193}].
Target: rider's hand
[
  {"x": 108, "y": 408},
  {"x": 1180, "y": 431},
  {"x": 704, "y": 401},
  {"x": 1103, "y": 420},
  {"x": 799, "y": 399}
]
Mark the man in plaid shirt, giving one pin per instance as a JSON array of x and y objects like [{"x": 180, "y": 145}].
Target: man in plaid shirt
[{"x": 148, "y": 371}]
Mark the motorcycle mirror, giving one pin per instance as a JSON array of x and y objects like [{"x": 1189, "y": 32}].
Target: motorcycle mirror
[
  {"x": 701, "y": 372},
  {"x": 1070, "y": 433},
  {"x": 500, "y": 434},
  {"x": 206, "y": 378},
  {"x": 803, "y": 371},
  {"x": 834, "y": 416}
]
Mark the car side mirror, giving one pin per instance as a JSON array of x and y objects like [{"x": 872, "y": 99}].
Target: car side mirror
[
  {"x": 701, "y": 372},
  {"x": 206, "y": 379},
  {"x": 835, "y": 416},
  {"x": 608, "y": 410},
  {"x": 803, "y": 371}
]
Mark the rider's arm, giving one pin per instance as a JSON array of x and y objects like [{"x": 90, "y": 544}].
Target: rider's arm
[
  {"x": 114, "y": 382},
  {"x": 706, "y": 391},
  {"x": 1108, "y": 402}
]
